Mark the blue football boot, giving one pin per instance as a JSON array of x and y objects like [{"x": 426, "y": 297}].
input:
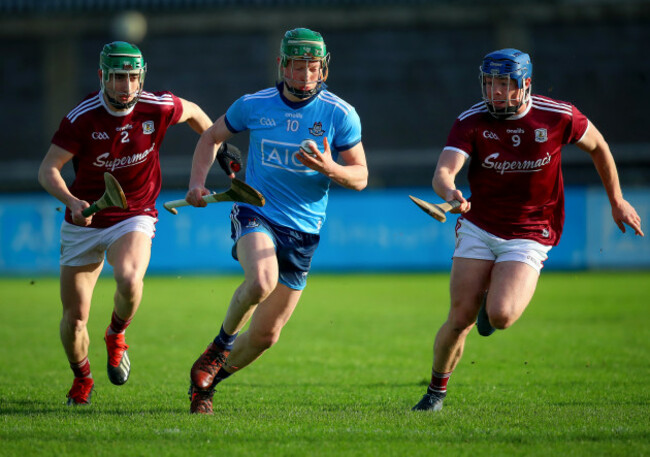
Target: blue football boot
[
  {"x": 483, "y": 321},
  {"x": 431, "y": 401}
]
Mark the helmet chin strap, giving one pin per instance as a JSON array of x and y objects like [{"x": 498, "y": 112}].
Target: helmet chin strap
[
  {"x": 302, "y": 94},
  {"x": 119, "y": 105},
  {"x": 505, "y": 113}
]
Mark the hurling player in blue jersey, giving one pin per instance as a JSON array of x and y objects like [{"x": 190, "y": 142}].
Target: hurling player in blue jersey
[{"x": 275, "y": 243}]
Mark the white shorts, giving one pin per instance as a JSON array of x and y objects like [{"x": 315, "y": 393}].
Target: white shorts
[
  {"x": 475, "y": 243},
  {"x": 85, "y": 245}
]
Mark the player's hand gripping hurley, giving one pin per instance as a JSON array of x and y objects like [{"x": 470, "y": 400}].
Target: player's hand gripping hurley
[
  {"x": 438, "y": 212},
  {"x": 239, "y": 192},
  {"x": 113, "y": 196}
]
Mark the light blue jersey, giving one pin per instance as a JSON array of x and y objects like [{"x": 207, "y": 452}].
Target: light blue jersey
[{"x": 296, "y": 196}]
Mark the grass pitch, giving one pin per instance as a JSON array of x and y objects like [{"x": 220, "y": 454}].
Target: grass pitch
[{"x": 570, "y": 378}]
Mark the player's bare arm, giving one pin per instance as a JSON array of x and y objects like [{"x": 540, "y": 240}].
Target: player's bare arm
[
  {"x": 623, "y": 213},
  {"x": 449, "y": 164},
  {"x": 205, "y": 154},
  {"x": 352, "y": 174},
  {"x": 195, "y": 117},
  {"x": 49, "y": 176}
]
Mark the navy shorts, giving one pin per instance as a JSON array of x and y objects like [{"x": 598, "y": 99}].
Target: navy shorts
[{"x": 293, "y": 248}]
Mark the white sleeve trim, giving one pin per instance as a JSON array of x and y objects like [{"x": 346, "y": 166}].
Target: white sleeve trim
[
  {"x": 459, "y": 151},
  {"x": 586, "y": 130}
]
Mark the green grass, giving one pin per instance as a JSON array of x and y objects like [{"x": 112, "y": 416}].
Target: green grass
[{"x": 571, "y": 378}]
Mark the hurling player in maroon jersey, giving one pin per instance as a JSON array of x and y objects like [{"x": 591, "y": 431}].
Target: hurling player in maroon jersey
[
  {"x": 118, "y": 129},
  {"x": 516, "y": 210}
]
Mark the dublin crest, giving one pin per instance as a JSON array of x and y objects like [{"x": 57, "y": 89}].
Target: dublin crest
[{"x": 317, "y": 129}]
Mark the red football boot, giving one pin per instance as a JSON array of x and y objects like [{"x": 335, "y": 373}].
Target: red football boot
[
  {"x": 119, "y": 365},
  {"x": 81, "y": 391},
  {"x": 201, "y": 400},
  {"x": 206, "y": 366}
]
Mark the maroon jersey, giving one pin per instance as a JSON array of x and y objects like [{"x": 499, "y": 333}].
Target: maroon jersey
[
  {"x": 124, "y": 144},
  {"x": 514, "y": 174}
]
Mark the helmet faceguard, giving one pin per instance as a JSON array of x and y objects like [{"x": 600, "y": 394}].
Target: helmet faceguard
[
  {"x": 121, "y": 58},
  {"x": 514, "y": 66},
  {"x": 302, "y": 45}
]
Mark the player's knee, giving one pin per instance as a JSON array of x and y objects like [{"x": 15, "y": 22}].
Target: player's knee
[
  {"x": 500, "y": 320},
  {"x": 260, "y": 288},
  {"x": 263, "y": 340},
  {"x": 129, "y": 285}
]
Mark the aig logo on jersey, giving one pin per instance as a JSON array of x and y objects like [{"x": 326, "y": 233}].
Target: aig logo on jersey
[
  {"x": 278, "y": 154},
  {"x": 541, "y": 135},
  {"x": 148, "y": 128}
]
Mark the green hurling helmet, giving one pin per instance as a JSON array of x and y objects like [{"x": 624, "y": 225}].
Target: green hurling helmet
[
  {"x": 120, "y": 57},
  {"x": 303, "y": 44}
]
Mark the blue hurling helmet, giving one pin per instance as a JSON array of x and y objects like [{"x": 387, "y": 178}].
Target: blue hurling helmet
[{"x": 506, "y": 63}]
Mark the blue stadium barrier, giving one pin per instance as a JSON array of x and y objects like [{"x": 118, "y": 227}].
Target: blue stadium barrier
[{"x": 369, "y": 231}]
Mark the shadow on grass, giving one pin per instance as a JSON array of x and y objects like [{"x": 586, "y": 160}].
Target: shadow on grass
[
  {"x": 330, "y": 385},
  {"x": 24, "y": 407}
]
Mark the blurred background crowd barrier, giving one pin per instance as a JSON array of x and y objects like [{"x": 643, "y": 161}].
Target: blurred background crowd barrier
[
  {"x": 409, "y": 67},
  {"x": 373, "y": 231}
]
